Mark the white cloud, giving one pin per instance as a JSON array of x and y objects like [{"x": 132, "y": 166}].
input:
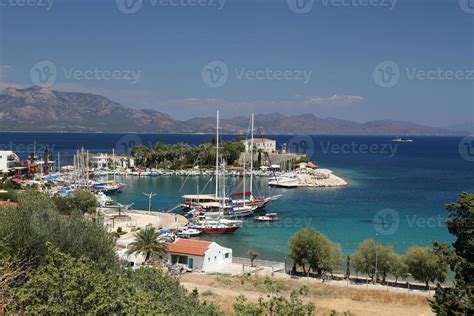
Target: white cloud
[
  {"x": 335, "y": 100},
  {"x": 4, "y": 71}
]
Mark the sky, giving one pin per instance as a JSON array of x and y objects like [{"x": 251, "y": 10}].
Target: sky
[{"x": 358, "y": 60}]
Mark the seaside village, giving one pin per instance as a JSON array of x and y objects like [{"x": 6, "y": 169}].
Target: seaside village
[{"x": 183, "y": 228}]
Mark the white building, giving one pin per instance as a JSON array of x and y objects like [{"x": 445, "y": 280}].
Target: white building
[
  {"x": 8, "y": 161},
  {"x": 102, "y": 161},
  {"x": 265, "y": 144},
  {"x": 199, "y": 254}
]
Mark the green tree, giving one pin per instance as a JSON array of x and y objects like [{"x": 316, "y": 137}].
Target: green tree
[
  {"x": 66, "y": 285},
  {"x": 26, "y": 228},
  {"x": 310, "y": 249},
  {"x": 147, "y": 243},
  {"x": 425, "y": 265},
  {"x": 299, "y": 248},
  {"x": 399, "y": 267},
  {"x": 70, "y": 286},
  {"x": 370, "y": 258},
  {"x": 459, "y": 298},
  {"x": 83, "y": 201}
]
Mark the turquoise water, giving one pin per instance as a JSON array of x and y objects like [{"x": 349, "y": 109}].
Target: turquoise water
[{"x": 414, "y": 182}]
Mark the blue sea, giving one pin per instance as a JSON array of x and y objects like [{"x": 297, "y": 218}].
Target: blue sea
[{"x": 396, "y": 194}]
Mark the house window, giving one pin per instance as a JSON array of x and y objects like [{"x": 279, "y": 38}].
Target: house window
[{"x": 227, "y": 255}]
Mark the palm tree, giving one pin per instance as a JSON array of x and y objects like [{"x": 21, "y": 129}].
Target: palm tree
[
  {"x": 147, "y": 243},
  {"x": 252, "y": 255}
]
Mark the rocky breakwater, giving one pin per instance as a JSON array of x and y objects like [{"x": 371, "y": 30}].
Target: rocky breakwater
[{"x": 319, "y": 178}]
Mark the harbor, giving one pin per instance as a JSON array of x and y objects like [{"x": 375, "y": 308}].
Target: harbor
[{"x": 332, "y": 210}]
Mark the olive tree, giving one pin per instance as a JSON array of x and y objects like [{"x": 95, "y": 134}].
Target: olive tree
[{"x": 425, "y": 265}]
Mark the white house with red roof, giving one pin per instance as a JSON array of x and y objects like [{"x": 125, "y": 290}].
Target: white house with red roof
[{"x": 201, "y": 255}]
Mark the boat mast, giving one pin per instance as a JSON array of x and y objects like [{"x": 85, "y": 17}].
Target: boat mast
[
  {"x": 113, "y": 160},
  {"x": 217, "y": 155},
  {"x": 251, "y": 158},
  {"x": 245, "y": 167}
]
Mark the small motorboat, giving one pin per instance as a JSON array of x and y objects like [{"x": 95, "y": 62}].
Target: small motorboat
[
  {"x": 187, "y": 232},
  {"x": 269, "y": 217},
  {"x": 401, "y": 140}
]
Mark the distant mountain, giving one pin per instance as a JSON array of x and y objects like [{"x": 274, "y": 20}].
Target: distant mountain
[
  {"x": 467, "y": 127},
  {"x": 42, "y": 109},
  {"x": 276, "y": 123}
]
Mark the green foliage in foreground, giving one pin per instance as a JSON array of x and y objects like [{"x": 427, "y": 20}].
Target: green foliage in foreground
[
  {"x": 25, "y": 230},
  {"x": 81, "y": 201},
  {"x": 458, "y": 299},
  {"x": 66, "y": 285},
  {"x": 52, "y": 263},
  {"x": 277, "y": 304},
  {"x": 310, "y": 249}
]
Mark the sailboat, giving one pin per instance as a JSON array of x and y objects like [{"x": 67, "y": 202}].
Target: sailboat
[
  {"x": 247, "y": 198},
  {"x": 216, "y": 227}
]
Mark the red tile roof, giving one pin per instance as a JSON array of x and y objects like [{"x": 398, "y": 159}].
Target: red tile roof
[
  {"x": 7, "y": 204},
  {"x": 189, "y": 247}
]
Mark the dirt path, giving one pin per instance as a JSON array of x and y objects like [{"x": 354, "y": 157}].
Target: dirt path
[{"x": 224, "y": 290}]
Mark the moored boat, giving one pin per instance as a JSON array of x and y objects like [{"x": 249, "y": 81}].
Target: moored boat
[{"x": 269, "y": 217}]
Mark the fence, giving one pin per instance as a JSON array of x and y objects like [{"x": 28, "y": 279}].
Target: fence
[{"x": 276, "y": 266}]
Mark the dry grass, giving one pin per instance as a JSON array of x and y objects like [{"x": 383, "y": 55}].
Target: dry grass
[{"x": 326, "y": 297}]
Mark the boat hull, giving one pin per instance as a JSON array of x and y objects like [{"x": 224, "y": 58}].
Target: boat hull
[{"x": 219, "y": 230}]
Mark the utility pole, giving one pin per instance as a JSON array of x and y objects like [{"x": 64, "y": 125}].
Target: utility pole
[
  {"x": 376, "y": 274},
  {"x": 149, "y": 195}
]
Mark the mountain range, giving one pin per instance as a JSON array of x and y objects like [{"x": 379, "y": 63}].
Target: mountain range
[{"x": 43, "y": 109}]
